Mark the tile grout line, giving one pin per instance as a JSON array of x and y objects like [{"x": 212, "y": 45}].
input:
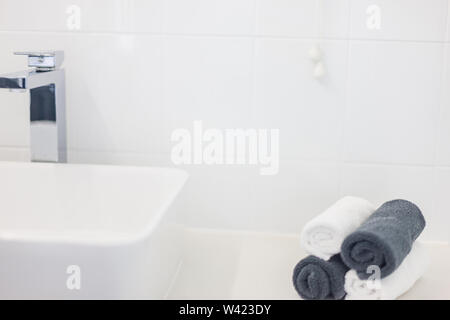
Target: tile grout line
[
  {"x": 302, "y": 161},
  {"x": 343, "y": 144},
  {"x": 212, "y": 35}
]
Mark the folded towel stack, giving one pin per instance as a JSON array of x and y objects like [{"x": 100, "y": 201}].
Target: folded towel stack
[
  {"x": 368, "y": 240},
  {"x": 314, "y": 276}
]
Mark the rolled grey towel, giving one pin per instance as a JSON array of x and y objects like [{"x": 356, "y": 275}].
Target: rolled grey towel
[
  {"x": 384, "y": 239},
  {"x": 317, "y": 279}
]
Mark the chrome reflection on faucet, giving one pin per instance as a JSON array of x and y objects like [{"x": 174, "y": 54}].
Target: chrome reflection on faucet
[{"x": 46, "y": 83}]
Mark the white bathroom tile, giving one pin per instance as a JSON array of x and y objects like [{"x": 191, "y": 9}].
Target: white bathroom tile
[
  {"x": 448, "y": 23},
  {"x": 14, "y": 119},
  {"x": 119, "y": 107},
  {"x": 143, "y": 15},
  {"x": 99, "y": 15},
  {"x": 305, "y": 18},
  {"x": 32, "y": 15},
  {"x": 307, "y": 111},
  {"x": 393, "y": 102},
  {"x": 380, "y": 183},
  {"x": 113, "y": 89},
  {"x": 15, "y": 154},
  {"x": 439, "y": 226},
  {"x": 209, "y": 16},
  {"x": 207, "y": 79},
  {"x": 420, "y": 20},
  {"x": 217, "y": 197},
  {"x": 14, "y": 106},
  {"x": 443, "y": 145},
  {"x": 287, "y": 201},
  {"x": 56, "y": 15}
]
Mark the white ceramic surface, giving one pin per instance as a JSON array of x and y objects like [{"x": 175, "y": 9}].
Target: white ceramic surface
[
  {"x": 117, "y": 224},
  {"x": 249, "y": 265}
]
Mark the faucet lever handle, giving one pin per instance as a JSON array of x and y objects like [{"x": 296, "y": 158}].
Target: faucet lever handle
[{"x": 43, "y": 60}]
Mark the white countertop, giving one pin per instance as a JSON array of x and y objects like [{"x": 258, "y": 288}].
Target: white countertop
[{"x": 242, "y": 265}]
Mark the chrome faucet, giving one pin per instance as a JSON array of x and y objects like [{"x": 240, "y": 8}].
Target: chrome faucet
[{"x": 46, "y": 82}]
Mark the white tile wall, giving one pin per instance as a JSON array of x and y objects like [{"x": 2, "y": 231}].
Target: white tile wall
[
  {"x": 301, "y": 190},
  {"x": 448, "y": 23},
  {"x": 14, "y": 115},
  {"x": 376, "y": 125},
  {"x": 307, "y": 112},
  {"x": 394, "y": 93},
  {"x": 414, "y": 20},
  {"x": 210, "y": 81},
  {"x": 439, "y": 230},
  {"x": 443, "y": 149},
  {"x": 219, "y": 197},
  {"x": 99, "y": 16},
  {"x": 235, "y": 17},
  {"x": 305, "y": 18}
]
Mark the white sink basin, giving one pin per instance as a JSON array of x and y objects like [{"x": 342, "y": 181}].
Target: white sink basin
[{"x": 88, "y": 231}]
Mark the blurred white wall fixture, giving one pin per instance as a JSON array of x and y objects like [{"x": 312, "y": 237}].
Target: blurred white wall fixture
[
  {"x": 373, "y": 21},
  {"x": 259, "y": 147},
  {"x": 316, "y": 56},
  {"x": 319, "y": 70},
  {"x": 74, "y": 17},
  {"x": 74, "y": 279},
  {"x": 315, "y": 53}
]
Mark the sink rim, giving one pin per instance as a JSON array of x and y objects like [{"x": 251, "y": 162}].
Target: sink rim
[{"x": 78, "y": 236}]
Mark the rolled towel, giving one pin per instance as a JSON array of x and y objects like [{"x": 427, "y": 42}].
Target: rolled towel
[
  {"x": 318, "y": 279},
  {"x": 384, "y": 239},
  {"x": 394, "y": 285},
  {"x": 323, "y": 236}
]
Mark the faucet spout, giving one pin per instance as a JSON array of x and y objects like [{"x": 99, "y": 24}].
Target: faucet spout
[
  {"x": 47, "y": 106},
  {"x": 15, "y": 80}
]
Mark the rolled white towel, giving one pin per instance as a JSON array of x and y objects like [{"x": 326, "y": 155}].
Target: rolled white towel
[
  {"x": 394, "y": 285},
  {"x": 323, "y": 235}
]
